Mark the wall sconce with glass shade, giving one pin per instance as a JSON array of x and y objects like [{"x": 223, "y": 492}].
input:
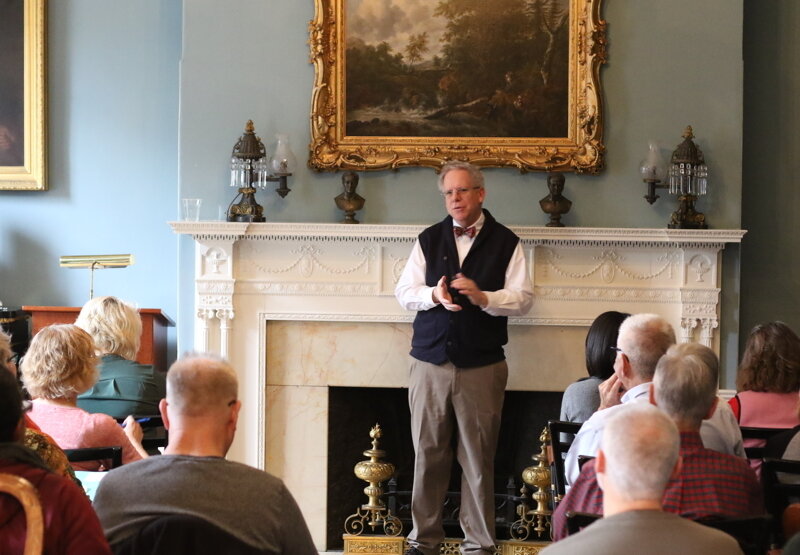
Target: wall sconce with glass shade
[
  {"x": 252, "y": 169},
  {"x": 685, "y": 176}
]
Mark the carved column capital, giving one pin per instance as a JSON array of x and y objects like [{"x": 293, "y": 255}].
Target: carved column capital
[
  {"x": 707, "y": 327},
  {"x": 225, "y": 314}
]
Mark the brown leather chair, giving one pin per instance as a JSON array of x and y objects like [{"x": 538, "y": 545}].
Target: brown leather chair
[{"x": 28, "y": 497}]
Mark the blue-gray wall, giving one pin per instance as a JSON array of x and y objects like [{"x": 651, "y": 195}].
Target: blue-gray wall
[
  {"x": 668, "y": 68},
  {"x": 113, "y": 169},
  {"x": 148, "y": 97}
]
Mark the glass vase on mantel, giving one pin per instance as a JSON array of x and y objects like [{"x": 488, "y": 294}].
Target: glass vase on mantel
[
  {"x": 283, "y": 160},
  {"x": 653, "y": 167}
]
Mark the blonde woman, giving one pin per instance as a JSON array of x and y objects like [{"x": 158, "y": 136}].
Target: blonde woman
[
  {"x": 44, "y": 446},
  {"x": 59, "y": 364},
  {"x": 125, "y": 386}
]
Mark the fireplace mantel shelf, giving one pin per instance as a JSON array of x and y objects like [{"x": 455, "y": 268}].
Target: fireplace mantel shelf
[{"x": 366, "y": 232}]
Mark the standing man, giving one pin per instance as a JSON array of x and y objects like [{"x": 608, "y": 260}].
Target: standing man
[{"x": 464, "y": 277}]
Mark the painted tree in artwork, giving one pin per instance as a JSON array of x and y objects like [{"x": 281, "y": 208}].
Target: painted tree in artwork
[
  {"x": 514, "y": 53},
  {"x": 417, "y": 46},
  {"x": 488, "y": 68},
  {"x": 550, "y": 23}
]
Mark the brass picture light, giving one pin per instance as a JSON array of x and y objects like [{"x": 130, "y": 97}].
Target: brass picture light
[{"x": 96, "y": 261}]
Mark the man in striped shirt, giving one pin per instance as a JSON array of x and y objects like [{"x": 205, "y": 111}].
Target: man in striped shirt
[{"x": 709, "y": 483}]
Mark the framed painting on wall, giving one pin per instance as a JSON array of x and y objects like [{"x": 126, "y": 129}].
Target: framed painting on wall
[
  {"x": 506, "y": 83},
  {"x": 22, "y": 95}
]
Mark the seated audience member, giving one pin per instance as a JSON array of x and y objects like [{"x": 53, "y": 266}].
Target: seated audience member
[
  {"x": 193, "y": 477},
  {"x": 582, "y": 398},
  {"x": 769, "y": 378},
  {"x": 709, "y": 483},
  {"x": 41, "y": 443},
  {"x": 125, "y": 386},
  {"x": 70, "y": 524},
  {"x": 640, "y": 454},
  {"x": 642, "y": 340},
  {"x": 59, "y": 364}
]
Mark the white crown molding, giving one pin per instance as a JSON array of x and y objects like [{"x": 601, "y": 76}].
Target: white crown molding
[{"x": 403, "y": 232}]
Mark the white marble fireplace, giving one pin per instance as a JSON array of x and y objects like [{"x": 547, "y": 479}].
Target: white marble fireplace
[{"x": 299, "y": 308}]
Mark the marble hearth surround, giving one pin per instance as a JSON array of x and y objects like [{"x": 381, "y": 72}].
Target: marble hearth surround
[{"x": 301, "y": 307}]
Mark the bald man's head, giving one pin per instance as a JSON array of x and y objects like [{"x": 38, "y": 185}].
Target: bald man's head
[{"x": 199, "y": 385}]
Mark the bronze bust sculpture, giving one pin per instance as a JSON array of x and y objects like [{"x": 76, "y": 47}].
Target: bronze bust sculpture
[
  {"x": 349, "y": 200},
  {"x": 555, "y": 203}
]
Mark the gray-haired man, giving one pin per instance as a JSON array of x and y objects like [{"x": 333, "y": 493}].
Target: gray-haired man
[{"x": 464, "y": 277}]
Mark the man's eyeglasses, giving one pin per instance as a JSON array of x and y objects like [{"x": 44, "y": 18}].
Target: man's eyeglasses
[
  {"x": 616, "y": 349},
  {"x": 459, "y": 191}
]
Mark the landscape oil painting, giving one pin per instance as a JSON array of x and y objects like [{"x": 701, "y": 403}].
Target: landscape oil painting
[
  {"x": 418, "y": 82},
  {"x": 23, "y": 142},
  {"x": 457, "y": 68}
]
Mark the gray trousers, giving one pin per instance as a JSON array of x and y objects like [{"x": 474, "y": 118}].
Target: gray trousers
[{"x": 464, "y": 403}]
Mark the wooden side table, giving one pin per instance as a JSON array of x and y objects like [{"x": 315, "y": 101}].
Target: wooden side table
[{"x": 153, "y": 349}]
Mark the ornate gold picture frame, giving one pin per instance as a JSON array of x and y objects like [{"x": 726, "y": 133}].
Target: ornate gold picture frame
[
  {"x": 515, "y": 83},
  {"x": 23, "y": 109}
]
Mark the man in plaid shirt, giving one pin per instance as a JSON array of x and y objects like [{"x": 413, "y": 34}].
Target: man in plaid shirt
[{"x": 709, "y": 483}]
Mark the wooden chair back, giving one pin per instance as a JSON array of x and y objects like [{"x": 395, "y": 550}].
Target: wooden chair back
[
  {"x": 561, "y": 436},
  {"x": 28, "y": 497},
  {"x": 110, "y": 457},
  {"x": 576, "y": 521},
  {"x": 183, "y": 535},
  {"x": 756, "y": 452},
  {"x": 781, "y": 480}
]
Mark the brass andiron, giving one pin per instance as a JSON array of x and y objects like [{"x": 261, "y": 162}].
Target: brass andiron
[
  {"x": 536, "y": 476},
  {"x": 374, "y": 513}
]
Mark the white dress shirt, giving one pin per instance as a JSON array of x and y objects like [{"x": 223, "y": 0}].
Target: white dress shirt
[
  {"x": 719, "y": 433},
  {"x": 514, "y": 299}
]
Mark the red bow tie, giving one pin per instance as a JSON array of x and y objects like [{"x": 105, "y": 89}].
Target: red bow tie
[{"x": 469, "y": 232}]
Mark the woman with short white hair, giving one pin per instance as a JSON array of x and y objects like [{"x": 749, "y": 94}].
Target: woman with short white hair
[
  {"x": 59, "y": 364},
  {"x": 124, "y": 386}
]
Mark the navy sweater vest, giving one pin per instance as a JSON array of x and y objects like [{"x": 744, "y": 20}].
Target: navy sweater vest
[{"x": 469, "y": 337}]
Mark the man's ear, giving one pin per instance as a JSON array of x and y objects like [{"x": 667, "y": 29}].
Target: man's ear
[
  {"x": 162, "y": 408},
  {"x": 712, "y": 408},
  {"x": 627, "y": 371},
  {"x": 237, "y": 406},
  {"x": 600, "y": 468},
  {"x": 600, "y": 462}
]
